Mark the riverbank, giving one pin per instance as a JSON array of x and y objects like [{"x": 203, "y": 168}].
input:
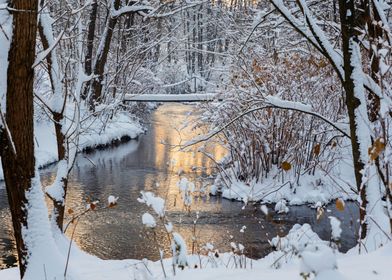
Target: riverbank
[
  {"x": 314, "y": 187},
  {"x": 123, "y": 126},
  {"x": 301, "y": 255}
]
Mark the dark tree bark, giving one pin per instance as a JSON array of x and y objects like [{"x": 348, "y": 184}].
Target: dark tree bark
[
  {"x": 368, "y": 16},
  {"x": 102, "y": 56},
  {"x": 19, "y": 168},
  {"x": 352, "y": 103},
  {"x": 90, "y": 44}
]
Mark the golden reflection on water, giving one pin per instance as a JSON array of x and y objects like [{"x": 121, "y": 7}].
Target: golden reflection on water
[
  {"x": 158, "y": 164},
  {"x": 174, "y": 129}
]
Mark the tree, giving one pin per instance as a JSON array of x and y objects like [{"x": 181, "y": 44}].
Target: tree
[
  {"x": 17, "y": 132},
  {"x": 349, "y": 66}
]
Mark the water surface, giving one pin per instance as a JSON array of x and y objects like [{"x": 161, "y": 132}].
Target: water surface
[{"x": 153, "y": 163}]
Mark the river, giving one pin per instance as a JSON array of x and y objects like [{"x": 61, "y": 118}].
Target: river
[{"x": 153, "y": 163}]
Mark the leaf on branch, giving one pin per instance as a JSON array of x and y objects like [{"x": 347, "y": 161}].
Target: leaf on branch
[
  {"x": 286, "y": 166},
  {"x": 339, "y": 204},
  {"x": 316, "y": 149},
  {"x": 377, "y": 148}
]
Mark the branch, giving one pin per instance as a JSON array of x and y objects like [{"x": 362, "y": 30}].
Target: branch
[
  {"x": 328, "y": 50},
  {"x": 273, "y": 103}
]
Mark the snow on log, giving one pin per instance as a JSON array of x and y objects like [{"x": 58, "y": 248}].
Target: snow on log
[{"x": 195, "y": 97}]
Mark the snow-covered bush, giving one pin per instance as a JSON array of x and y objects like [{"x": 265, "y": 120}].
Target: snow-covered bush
[
  {"x": 302, "y": 244},
  {"x": 277, "y": 140}
]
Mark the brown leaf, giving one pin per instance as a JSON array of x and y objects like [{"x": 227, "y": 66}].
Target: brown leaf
[
  {"x": 70, "y": 211},
  {"x": 286, "y": 166},
  {"x": 316, "y": 149},
  {"x": 259, "y": 81},
  {"x": 93, "y": 206},
  {"x": 377, "y": 148},
  {"x": 339, "y": 204}
]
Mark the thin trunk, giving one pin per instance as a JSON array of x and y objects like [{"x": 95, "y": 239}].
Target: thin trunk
[
  {"x": 102, "y": 56},
  {"x": 57, "y": 113},
  {"x": 352, "y": 103},
  {"x": 90, "y": 44}
]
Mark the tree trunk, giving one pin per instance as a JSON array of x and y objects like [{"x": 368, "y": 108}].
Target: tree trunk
[
  {"x": 57, "y": 113},
  {"x": 90, "y": 44},
  {"x": 102, "y": 56},
  {"x": 19, "y": 168},
  {"x": 352, "y": 103}
]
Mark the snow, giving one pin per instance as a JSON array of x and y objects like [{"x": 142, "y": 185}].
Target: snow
[
  {"x": 121, "y": 125},
  {"x": 169, "y": 227},
  {"x": 129, "y": 9},
  {"x": 170, "y": 97},
  {"x": 278, "y": 102},
  {"x": 264, "y": 209},
  {"x": 317, "y": 258},
  {"x": 54, "y": 191},
  {"x": 377, "y": 220},
  {"x": 336, "y": 229},
  {"x": 186, "y": 189},
  {"x": 5, "y": 40},
  {"x": 148, "y": 220},
  {"x": 313, "y": 256},
  {"x": 155, "y": 202},
  {"x": 318, "y": 189},
  {"x": 112, "y": 200},
  {"x": 281, "y": 207},
  {"x": 179, "y": 250}
]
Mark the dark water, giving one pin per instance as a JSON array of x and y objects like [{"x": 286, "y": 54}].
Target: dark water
[{"x": 149, "y": 165}]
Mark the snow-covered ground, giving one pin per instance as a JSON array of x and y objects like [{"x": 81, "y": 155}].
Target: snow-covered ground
[
  {"x": 283, "y": 187},
  {"x": 301, "y": 252},
  {"x": 121, "y": 125}
]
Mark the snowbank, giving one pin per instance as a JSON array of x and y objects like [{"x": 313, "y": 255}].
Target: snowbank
[
  {"x": 317, "y": 190},
  {"x": 122, "y": 125},
  {"x": 301, "y": 251}
]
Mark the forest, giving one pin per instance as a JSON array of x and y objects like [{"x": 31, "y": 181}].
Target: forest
[{"x": 195, "y": 139}]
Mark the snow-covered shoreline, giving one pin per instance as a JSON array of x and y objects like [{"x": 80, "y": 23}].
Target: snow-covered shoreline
[
  {"x": 301, "y": 252},
  {"x": 121, "y": 126},
  {"x": 313, "y": 189}
]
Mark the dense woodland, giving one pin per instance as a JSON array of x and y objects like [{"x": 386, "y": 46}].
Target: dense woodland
[{"x": 302, "y": 87}]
